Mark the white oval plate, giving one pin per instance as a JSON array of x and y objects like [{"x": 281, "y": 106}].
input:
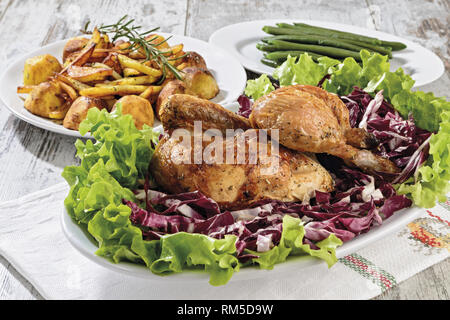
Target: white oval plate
[
  {"x": 227, "y": 70},
  {"x": 84, "y": 244},
  {"x": 240, "y": 40},
  {"x": 81, "y": 241}
]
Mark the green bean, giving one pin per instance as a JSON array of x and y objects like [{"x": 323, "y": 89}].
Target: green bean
[
  {"x": 330, "y": 32},
  {"x": 266, "y": 47},
  {"x": 383, "y": 50},
  {"x": 328, "y": 51},
  {"x": 282, "y": 55},
  {"x": 394, "y": 45},
  {"x": 351, "y": 36},
  {"x": 313, "y": 39},
  {"x": 271, "y": 63}
]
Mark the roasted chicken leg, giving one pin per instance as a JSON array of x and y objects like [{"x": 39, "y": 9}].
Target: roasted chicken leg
[
  {"x": 310, "y": 119},
  {"x": 239, "y": 180}
]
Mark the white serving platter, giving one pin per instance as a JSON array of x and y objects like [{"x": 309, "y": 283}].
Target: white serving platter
[{"x": 85, "y": 245}]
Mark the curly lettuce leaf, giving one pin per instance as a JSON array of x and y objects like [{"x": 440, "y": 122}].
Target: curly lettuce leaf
[
  {"x": 181, "y": 250},
  {"x": 125, "y": 150},
  {"x": 293, "y": 71},
  {"x": 259, "y": 87},
  {"x": 119, "y": 240},
  {"x": 303, "y": 70},
  {"x": 109, "y": 168},
  {"x": 431, "y": 182},
  {"x": 291, "y": 243}
]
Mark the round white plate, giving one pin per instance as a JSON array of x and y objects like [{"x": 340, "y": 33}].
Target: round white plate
[
  {"x": 240, "y": 40},
  {"x": 84, "y": 243},
  {"x": 227, "y": 70}
]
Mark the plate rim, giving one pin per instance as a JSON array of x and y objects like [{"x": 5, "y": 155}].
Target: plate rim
[
  {"x": 241, "y": 76},
  {"x": 257, "y": 69}
]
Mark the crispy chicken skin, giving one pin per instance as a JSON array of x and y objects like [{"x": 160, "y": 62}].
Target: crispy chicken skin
[
  {"x": 287, "y": 175},
  {"x": 311, "y": 119},
  {"x": 295, "y": 176},
  {"x": 181, "y": 110}
]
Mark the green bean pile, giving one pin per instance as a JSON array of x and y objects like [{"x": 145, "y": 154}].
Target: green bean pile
[{"x": 295, "y": 39}]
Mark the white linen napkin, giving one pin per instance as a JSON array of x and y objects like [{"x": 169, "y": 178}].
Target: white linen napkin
[{"x": 32, "y": 240}]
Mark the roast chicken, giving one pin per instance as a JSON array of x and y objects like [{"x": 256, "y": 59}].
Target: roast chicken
[
  {"x": 310, "y": 119},
  {"x": 285, "y": 175}
]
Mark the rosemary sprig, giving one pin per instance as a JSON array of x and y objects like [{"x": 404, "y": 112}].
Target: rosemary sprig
[{"x": 125, "y": 29}]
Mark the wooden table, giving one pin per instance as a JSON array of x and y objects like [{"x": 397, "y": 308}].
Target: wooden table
[{"x": 32, "y": 159}]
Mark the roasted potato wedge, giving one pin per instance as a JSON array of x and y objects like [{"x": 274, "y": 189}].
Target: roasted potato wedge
[
  {"x": 77, "y": 85},
  {"x": 120, "y": 90},
  {"x": 79, "y": 58},
  {"x": 130, "y": 72},
  {"x": 158, "y": 41},
  {"x": 74, "y": 45},
  {"x": 113, "y": 62},
  {"x": 79, "y": 109},
  {"x": 38, "y": 69},
  {"x": 194, "y": 60},
  {"x": 150, "y": 91},
  {"x": 200, "y": 83},
  {"x": 172, "y": 87},
  {"x": 130, "y": 81},
  {"x": 71, "y": 92},
  {"x": 47, "y": 100},
  {"x": 115, "y": 75},
  {"x": 88, "y": 74},
  {"x": 140, "y": 109},
  {"x": 127, "y": 62}
]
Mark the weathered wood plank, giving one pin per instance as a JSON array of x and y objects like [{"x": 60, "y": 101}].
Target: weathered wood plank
[{"x": 206, "y": 16}]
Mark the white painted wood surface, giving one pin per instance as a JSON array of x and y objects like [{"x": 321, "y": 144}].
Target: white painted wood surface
[{"x": 32, "y": 159}]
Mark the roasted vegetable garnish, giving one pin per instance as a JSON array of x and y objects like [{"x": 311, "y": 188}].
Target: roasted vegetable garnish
[{"x": 111, "y": 62}]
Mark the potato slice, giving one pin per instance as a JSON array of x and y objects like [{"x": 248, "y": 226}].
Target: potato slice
[
  {"x": 120, "y": 90},
  {"x": 113, "y": 62},
  {"x": 127, "y": 62},
  {"x": 88, "y": 74},
  {"x": 79, "y": 109},
  {"x": 151, "y": 90},
  {"x": 130, "y": 72},
  {"x": 77, "y": 85},
  {"x": 140, "y": 109},
  {"x": 38, "y": 69},
  {"x": 79, "y": 59},
  {"x": 130, "y": 81},
  {"x": 69, "y": 90},
  {"x": 115, "y": 75}
]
